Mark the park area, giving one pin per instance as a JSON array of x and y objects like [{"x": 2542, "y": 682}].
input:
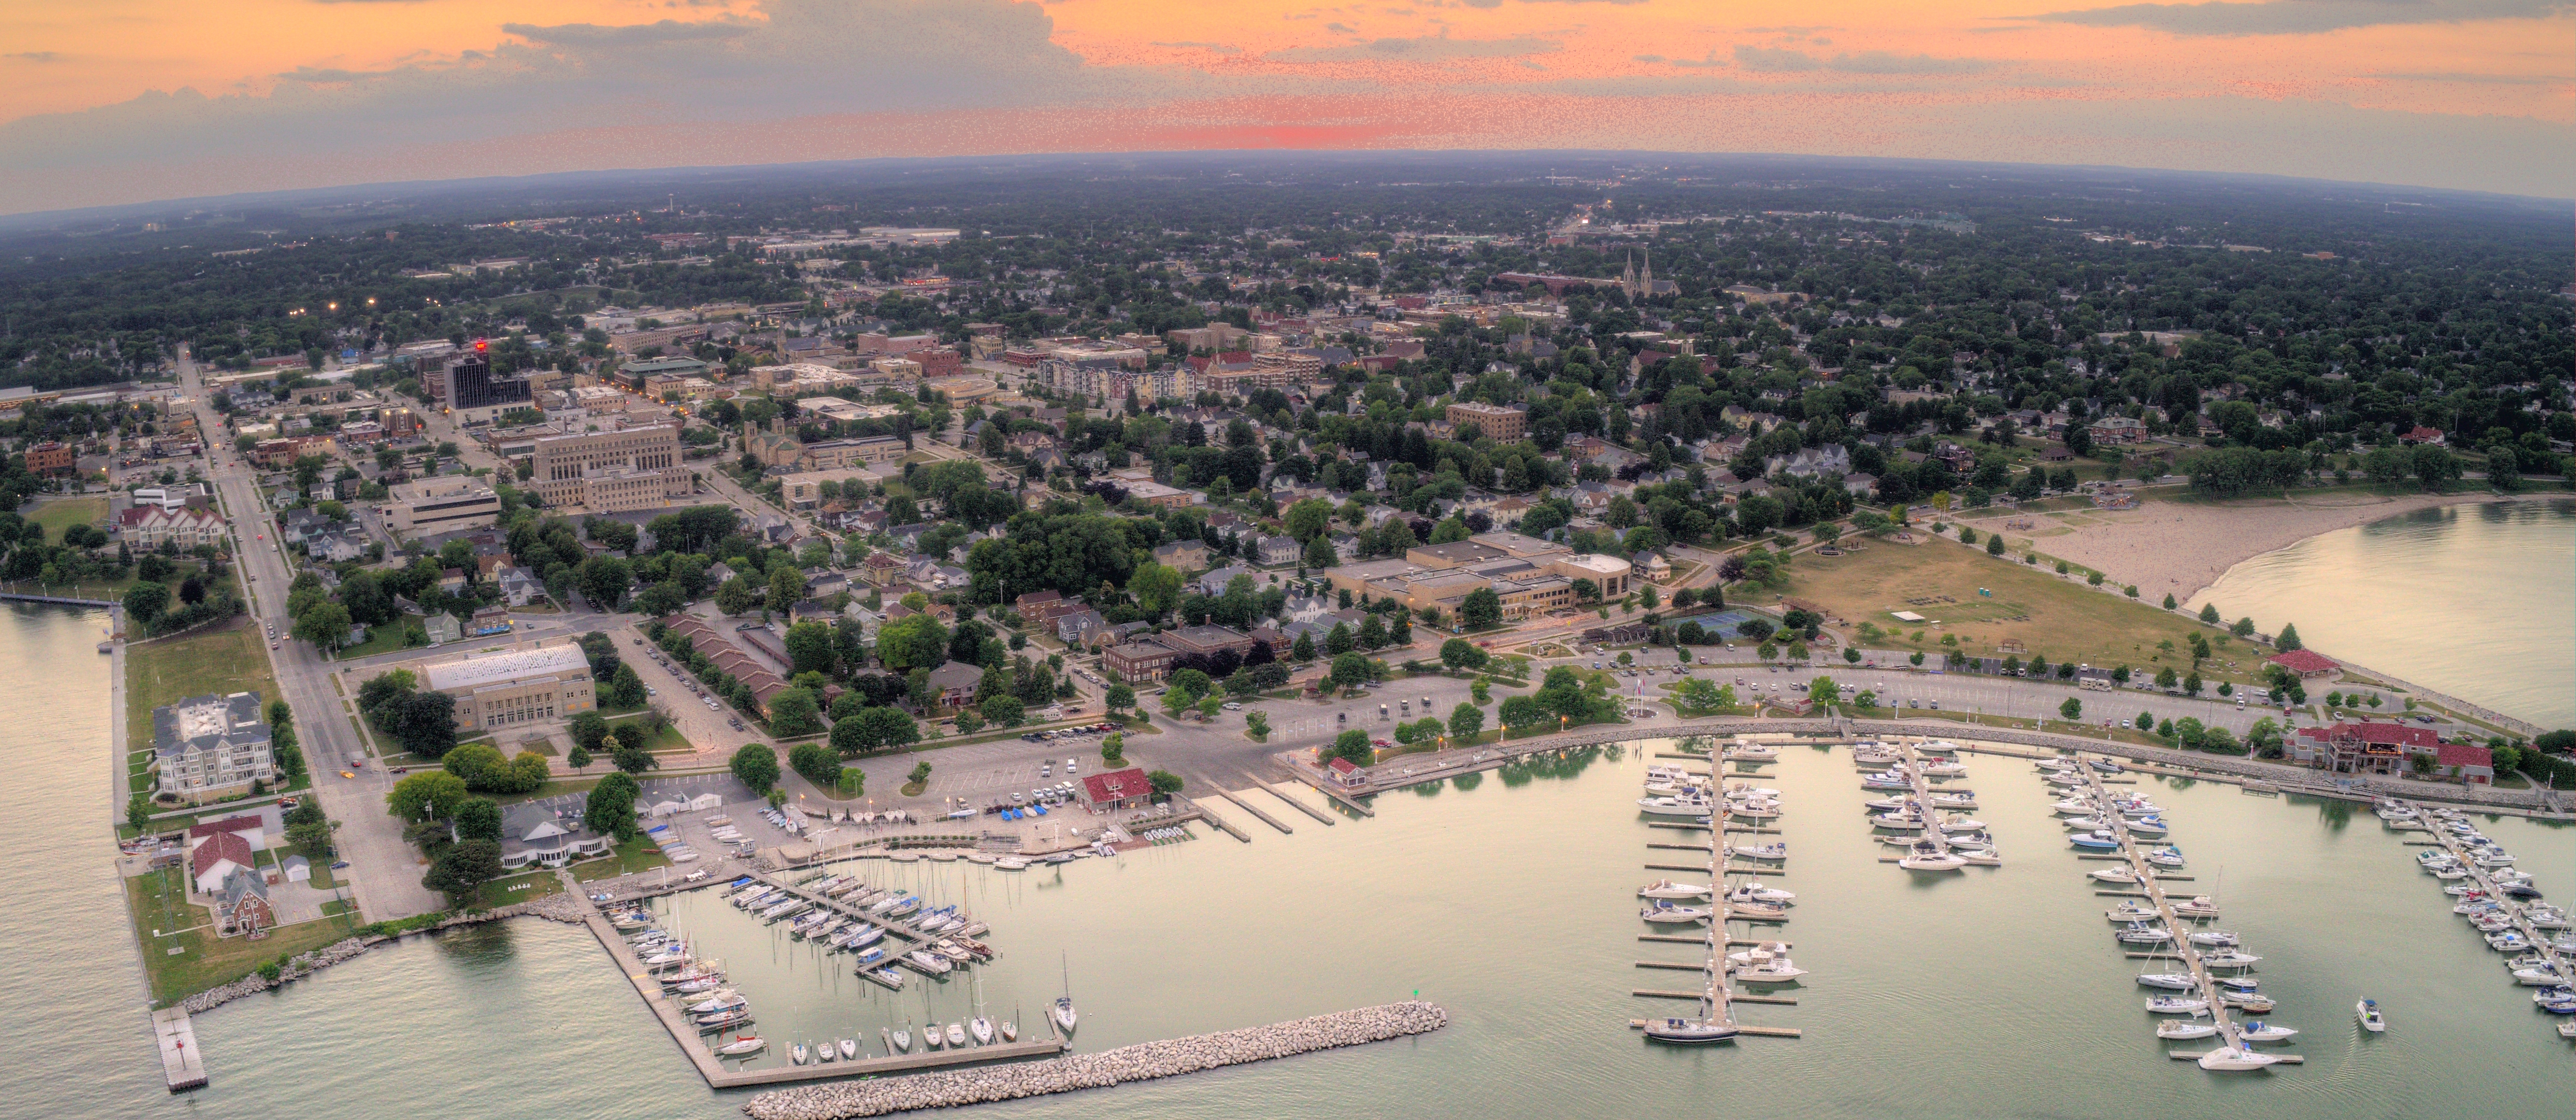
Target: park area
[
  {"x": 222, "y": 659},
  {"x": 2050, "y": 616}
]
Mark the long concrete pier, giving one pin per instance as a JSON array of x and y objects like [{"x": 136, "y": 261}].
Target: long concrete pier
[{"x": 182, "y": 1067}]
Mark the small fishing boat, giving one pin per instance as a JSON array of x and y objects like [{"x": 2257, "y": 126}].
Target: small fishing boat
[
  {"x": 2184, "y": 1030},
  {"x": 2237, "y": 1059},
  {"x": 825, "y": 1051},
  {"x": 1010, "y": 1030},
  {"x": 740, "y": 1047},
  {"x": 932, "y": 1038}
]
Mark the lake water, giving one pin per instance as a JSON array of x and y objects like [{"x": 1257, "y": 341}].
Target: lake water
[
  {"x": 2478, "y": 601},
  {"x": 1509, "y": 899}
]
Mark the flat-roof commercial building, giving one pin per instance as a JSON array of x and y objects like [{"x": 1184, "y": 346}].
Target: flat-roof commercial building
[
  {"x": 1528, "y": 575},
  {"x": 473, "y": 394},
  {"x": 515, "y": 687},
  {"x": 440, "y": 505},
  {"x": 624, "y": 468}
]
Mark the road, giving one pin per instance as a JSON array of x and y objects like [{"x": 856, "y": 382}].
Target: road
[{"x": 384, "y": 872}]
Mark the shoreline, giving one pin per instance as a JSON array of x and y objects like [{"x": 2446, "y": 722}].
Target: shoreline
[{"x": 2183, "y": 549}]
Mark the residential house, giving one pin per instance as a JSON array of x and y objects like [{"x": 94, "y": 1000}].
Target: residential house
[
  {"x": 1082, "y": 629},
  {"x": 1182, "y": 556},
  {"x": 1277, "y": 551},
  {"x": 954, "y": 684}
]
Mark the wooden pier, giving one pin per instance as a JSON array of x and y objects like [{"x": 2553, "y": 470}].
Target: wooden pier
[
  {"x": 1220, "y": 822},
  {"x": 182, "y": 1066},
  {"x": 1300, "y": 806},
  {"x": 1257, "y": 814}
]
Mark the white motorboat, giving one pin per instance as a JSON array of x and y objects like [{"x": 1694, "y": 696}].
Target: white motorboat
[
  {"x": 2170, "y": 981},
  {"x": 1942, "y": 770},
  {"x": 1673, "y": 915},
  {"x": 2176, "y": 1005},
  {"x": 885, "y": 975},
  {"x": 850, "y": 1049},
  {"x": 2085, "y": 824},
  {"x": 902, "y": 1039},
  {"x": 956, "y": 1035},
  {"x": 2167, "y": 856},
  {"x": 2140, "y": 933},
  {"x": 2131, "y": 910},
  {"x": 2149, "y": 827},
  {"x": 825, "y": 1051},
  {"x": 2229, "y": 958},
  {"x": 1928, "y": 859},
  {"x": 1773, "y": 851},
  {"x": 1752, "y": 752},
  {"x": 2119, "y": 875},
  {"x": 2260, "y": 1031},
  {"x": 1777, "y": 970},
  {"x": 1752, "y": 890},
  {"x": 2184, "y": 1030},
  {"x": 1961, "y": 824},
  {"x": 1675, "y": 806},
  {"x": 2237, "y": 1059},
  {"x": 740, "y": 1047},
  {"x": 2197, "y": 906},
  {"x": 1667, "y": 888},
  {"x": 1758, "y": 953},
  {"x": 2541, "y": 976}
]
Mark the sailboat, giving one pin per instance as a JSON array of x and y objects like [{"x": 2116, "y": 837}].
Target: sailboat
[
  {"x": 1683, "y": 1032},
  {"x": 980, "y": 1027},
  {"x": 902, "y": 1039},
  {"x": 1063, "y": 1013}
]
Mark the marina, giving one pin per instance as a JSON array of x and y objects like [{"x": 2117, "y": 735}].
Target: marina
[
  {"x": 1671, "y": 789},
  {"x": 2500, "y": 904}
]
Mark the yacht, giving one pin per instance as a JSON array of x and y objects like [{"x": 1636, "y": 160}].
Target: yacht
[
  {"x": 2148, "y": 826},
  {"x": 2131, "y": 910},
  {"x": 1063, "y": 1013},
  {"x": 2538, "y": 976},
  {"x": 1752, "y": 752},
  {"x": 1679, "y": 1031},
  {"x": 1775, "y": 850},
  {"x": 2184, "y": 1029},
  {"x": 2176, "y": 1005},
  {"x": 2119, "y": 875},
  {"x": 741, "y": 1047},
  {"x": 2197, "y": 906},
  {"x": 1777, "y": 970},
  {"x": 2095, "y": 841},
  {"x": 1675, "y": 806},
  {"x": 1739, "y": 911},
  {"x": 886, "y": 975},
  {"x": 2260, "y": 1031},
  {"x": 2170, "y": 981},
  {"x": 1752, "y": 890},
  {"x": 2229, "y": 958},
  {"x": 1927, "y": 857},
  {"x": 725, "y": 1000},
  {"x": 2140, "y": 933},
  {"x": 2237, "y": 1058},
  {"x": 1669, "y": 889},
  {"x": 2167, "y": 856},
  {"x": 1758, "y": 953},
  {"x": 926, "y": 962},
  {"x": 2213, "y": 938},
  {"x": 1664, "y": 914}
]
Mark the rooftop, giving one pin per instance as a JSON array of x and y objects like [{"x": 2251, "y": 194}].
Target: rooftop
[{"x": 488, "y": 668}]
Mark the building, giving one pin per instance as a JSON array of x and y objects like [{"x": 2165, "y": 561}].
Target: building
[
  {"x": 1181, "y": 556},
  {"x": 2365, "y": 747},
  {"x": 2117, "y": 430},
  {"x": 441, "y": 505},
  {"x": 624, "y": 468},
  {"x": 2307, "y": 663},
  {"x": 1159, "y": 496},
  {"x": 534, "y": 834},
  {"x": 151, "y": 526},
  {"x": 1135, "y": 662},
  {"x": 1118, "y": 789},
  {"x": 215, "y": 859},
  {"x": 1506, "y": 423},
  {"x": 1529, "y": 576},
  {"x": 955, "y": 683},
  {"x": 473, "y": 394},
  {"x": 515, "y": 687},
  {"x": 721, "y": 652},
  {"x": 209, "y": 746},
  {"x": 51, "y": 457}
]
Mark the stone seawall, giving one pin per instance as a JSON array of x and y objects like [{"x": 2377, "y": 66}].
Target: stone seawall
[
  {"x": 559, "y": 907},
  {"x": 1141, "y": 1062}
]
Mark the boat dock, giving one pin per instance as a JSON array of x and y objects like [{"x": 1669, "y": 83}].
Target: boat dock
[
  {"x": 1325, "y": 818},
  {"x": 693, "y": 1045},
  {"x": 2204, "y": 987},
  {"x": 1714, "y": 994},
  {"x": 1257, "y": 814},
  {"x": 182, "y": 1066},
  {"x": 2485, "y": 879}
]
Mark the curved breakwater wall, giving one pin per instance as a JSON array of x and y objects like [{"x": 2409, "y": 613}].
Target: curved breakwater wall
[
  {"x": 1141, "y": 1062},
  {"x": 561, "y": 908}
]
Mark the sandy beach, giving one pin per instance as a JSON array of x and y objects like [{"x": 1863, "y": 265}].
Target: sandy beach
[{"x": 2181, "y": 547}]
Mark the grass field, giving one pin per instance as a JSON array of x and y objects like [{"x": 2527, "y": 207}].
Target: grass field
[
  {"x": 670, "y": 741},
  {"x": 63, "y": 513},
  {"x": 205, "y": 960},
  {"x": 388, "y": 638},
  {"x": 2052, "y": 617},
  {"x": 634, "y": 855},
  {"x": 519, "y": 888},
  {"x": 221, "y": 660}
]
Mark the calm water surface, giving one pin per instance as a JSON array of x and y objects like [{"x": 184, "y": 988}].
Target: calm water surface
[
  {"x": 1510, "y": 899},
  {"x": 2476, "y": 601}
]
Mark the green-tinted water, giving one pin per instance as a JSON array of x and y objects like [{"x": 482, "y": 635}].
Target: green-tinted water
[{"x": 1998, "y": 992}]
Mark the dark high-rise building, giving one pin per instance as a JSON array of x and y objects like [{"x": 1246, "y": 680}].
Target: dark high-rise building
[{"x": 470, "y": 385}]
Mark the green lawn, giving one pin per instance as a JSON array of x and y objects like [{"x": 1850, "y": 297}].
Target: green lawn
[
  {"x": 635, "y": 855},
  {"x": 204, "y": 960},
  {"x": 222, "y": 660},
  {"x": 62, "y": 513},
  {"x": 519, "y": 888},
  {"x": 670, "y": 741},
  {"x": 388, "y": 638}
]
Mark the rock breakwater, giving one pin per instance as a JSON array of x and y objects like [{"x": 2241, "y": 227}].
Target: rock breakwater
[
  {"x": 558, "y": 907},
  {"x": 1142, "y": 1062}
]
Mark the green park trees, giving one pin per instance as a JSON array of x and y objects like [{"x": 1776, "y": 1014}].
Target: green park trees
[
  {"x": 756, "y": 766},
  {"x": 610, "y": 808}
]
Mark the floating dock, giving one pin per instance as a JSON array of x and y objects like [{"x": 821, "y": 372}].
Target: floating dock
[{"x": 2539, "y": 942}]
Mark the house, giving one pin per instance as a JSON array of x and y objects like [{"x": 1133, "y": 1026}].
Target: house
[
  {"x": 1137, "y": 662},
  {"x": 443, "y": 628},
  {"x": 185, "y": 528},
  {"x": 1181, "y": 556},
  {"x": 1345, "y": 774},
  {"x": 1081, "y": 629},
  {"x": 2307, "y": 663},
  {"x": 2117, "y": 430},
  {"x": 2423, "y": 435},
  {"x": 519, "y": 587},
  {"x": 241, "y": 903},
  {"x": 1118, "y": 789},
  {"x": 2473, "y": 765},
  {"x": 215, "y": 859},
  {"x": 954, "y": 684},
  {"x": 1277, "y": 551},
  {"x": 537, "y": 834},
  {"x": 1042, "y": 608},
  {"x": 1653, "y": 565},
  {"x": 1212, "y": 584}
]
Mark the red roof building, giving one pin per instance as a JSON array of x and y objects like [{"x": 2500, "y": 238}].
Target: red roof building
[
  {"x": 2422, "y": 434},
  {"x": 249, "y": 823},
  {"x": 216, "y": 859},
  {"x": 2307, "y": 663},
  {"x": 1346, "y": 773},
  {"x": 1118, "y": 789},
  {"x": 2471, "y": 764}
]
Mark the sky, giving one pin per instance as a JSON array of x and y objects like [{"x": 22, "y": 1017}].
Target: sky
[{"x": 116, "y": 101}]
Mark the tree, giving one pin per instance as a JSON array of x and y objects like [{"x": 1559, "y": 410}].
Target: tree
[
  {"x": 324, "y": 624},
  {"x": 1521, "y": 711},
  {"x": 969, "y": 721},
  {"x": 818, "y": 763},
  {"x": 1304, "y": 649},
  {"x": 1156, "y": 588},
  {"x": 1257, "y": 723},
  {"x": 2289, "y": 639},
  {"x": 1995, "y": 544},
  {"x": 2209, "y": 613},
  {"x": 1004, "y": 710},
  {"x": 1372, "y": 635},
  {"x": 810, "y": 649},
  {"x": 738, "y": 595},
  {"x": 1350, "y": 670},
  {"x": 1482, "y": 609},
  {"x": 1466, "y": 721},
  {"x": 433, "y": 794},
  {"x": 2146, "y": 721},
  {"x": 145, "y": 601},
  {"x": 1165, "y": 782},
  {"x": 425, "y": 724},
  {"x": 463, "y": 869},
  {"x": 1339, "y": 640},
  {"x": 1822, "y": 691},
  {"x": 1121, "y": 697},
  {"x": 920, "y": 773},
  {"x": 756, "y": 766},
  {"x": 1319, "y": 553},
  {"x": 475, "y": 764},
  {"x": 1851, "y": 655},
  {"x": 2072, "y": 709},
  {"x": 625, "y": 689},
  {"x": 1459, "y": 653},
  {"x": 603, "y": 581},
  {"x": 914, "y": 641},
  {"x": 610, "y": 809},
  {"x": 578, "y": 758},
  {"x": 2167, "y": 678},
  {"x": 588, "y": 730},
  {"x": 479, "y": 818},
  {"x": 2169, "y": 600},
  {"x": 1353, "y": 745},
  {"x": 793, "y": 712}
]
